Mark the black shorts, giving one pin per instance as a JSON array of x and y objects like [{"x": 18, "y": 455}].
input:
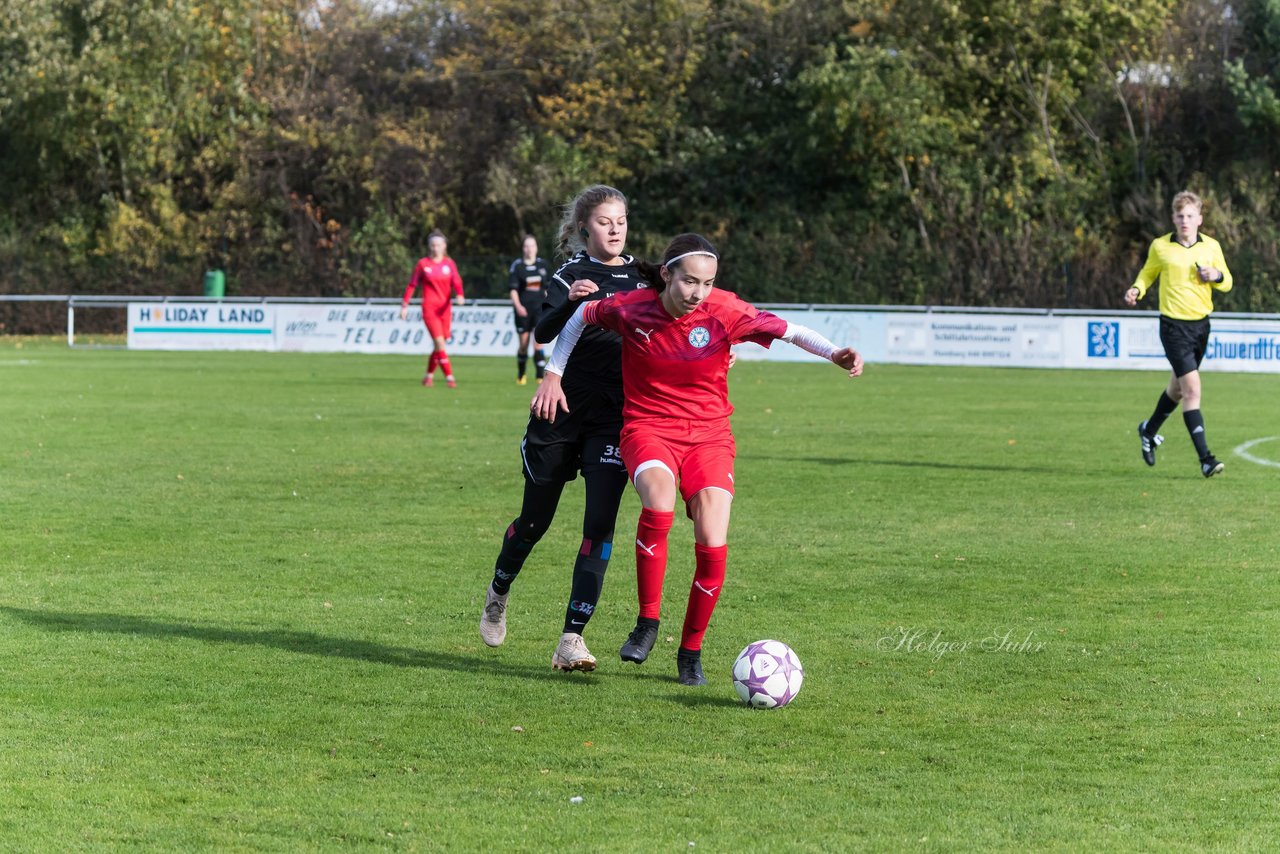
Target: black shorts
[
  {"x": 530, "y": 320},
  {"x": 1185, "y": 342},
  {"x": 585, "y": 439}
]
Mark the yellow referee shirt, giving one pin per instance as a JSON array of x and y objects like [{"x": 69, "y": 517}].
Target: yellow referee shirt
[{"x": 1182, "y": 295}]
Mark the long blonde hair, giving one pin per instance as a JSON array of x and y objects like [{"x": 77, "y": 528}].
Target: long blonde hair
[{"x": 578, "y": 210}]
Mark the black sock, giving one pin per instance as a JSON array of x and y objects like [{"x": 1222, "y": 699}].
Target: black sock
[
  {"x": 522, "y": 359},
  {"x": 588, "y": 581},
  {"x": 515, "y": 551},
  {"x": 1195, "y": 426},
  {"x": 540, "y": 362},
  {"x": 1164, "y": 408},
  {"x": 536, "y": 512},
  {"x": 604, "y": 488}
]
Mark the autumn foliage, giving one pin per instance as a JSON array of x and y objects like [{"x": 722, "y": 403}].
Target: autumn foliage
[{"x": 1004, "y": 152}]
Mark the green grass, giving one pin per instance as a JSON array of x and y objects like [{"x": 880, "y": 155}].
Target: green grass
[{"x": 239, "y": 595}]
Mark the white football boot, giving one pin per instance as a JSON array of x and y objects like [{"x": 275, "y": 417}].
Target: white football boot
[
  {"x": 493, "y": 619},
  {"x": 572, "y": 654}
]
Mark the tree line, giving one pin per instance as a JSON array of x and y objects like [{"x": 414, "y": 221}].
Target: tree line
[{"x": 960, "y": 152}]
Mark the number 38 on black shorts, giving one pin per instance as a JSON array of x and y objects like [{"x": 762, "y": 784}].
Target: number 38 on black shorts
[{"x": 585, "y": 439}]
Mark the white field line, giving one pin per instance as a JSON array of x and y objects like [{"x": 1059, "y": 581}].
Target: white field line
[{"x": 1243, "y": 452}]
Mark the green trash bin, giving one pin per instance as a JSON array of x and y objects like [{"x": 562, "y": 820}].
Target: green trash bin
[{"x": 215, "y": 283}]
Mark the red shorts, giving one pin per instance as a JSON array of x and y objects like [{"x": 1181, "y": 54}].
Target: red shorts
[
  {"x": 699, "y": 455},
  {"x": 438, "y": 318}
]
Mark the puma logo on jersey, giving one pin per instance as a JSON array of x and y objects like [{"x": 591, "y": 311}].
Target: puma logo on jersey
[{"x": 646, "y": 335}]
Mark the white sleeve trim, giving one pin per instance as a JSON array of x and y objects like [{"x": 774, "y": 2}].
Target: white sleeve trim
[
  {"x": 809, "y": 341},
  {"x": 566, "y": 341}
]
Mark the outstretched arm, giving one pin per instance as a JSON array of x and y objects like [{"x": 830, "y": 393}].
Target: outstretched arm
[
  {"x": 817, "y": 344},
  {"x": 849, "y": 359}
]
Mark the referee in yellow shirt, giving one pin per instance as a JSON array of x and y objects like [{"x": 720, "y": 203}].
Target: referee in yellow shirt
[{"x": 1190, "y": 268}]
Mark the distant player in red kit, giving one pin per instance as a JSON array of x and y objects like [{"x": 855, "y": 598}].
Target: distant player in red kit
[
  {"x": 676, "y": 339},
  {"x": 437, "y": 275}
]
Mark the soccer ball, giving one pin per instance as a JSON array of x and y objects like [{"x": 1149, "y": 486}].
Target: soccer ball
[{"x": 767, "y": 674}]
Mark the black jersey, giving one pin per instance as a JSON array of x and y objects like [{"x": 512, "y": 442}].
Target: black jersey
[
  {"x": 529, "y": 281},
  {"x": 596, "y": 362}
]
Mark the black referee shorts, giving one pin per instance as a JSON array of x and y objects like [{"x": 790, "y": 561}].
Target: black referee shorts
[
  {"x": 584, "y": 440},
  {"x": 1185, "y": 342}
]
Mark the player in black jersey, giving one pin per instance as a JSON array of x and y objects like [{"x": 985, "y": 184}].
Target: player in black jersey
[
  {"x": 594, "y": 230},
  {"x": 527, "y": 278}
]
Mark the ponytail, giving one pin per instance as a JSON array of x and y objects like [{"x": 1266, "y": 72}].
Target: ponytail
[{"x": 651, "y": 273}]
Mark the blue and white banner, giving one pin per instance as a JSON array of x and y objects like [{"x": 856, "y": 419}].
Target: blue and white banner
[
  {"x": 1006, "y": 340},
  {"x": 1235, "y": 344},
  {"x": 864, "y": 331},
  {"x": 970, "y": 338},
  {"x": 201, "y": 326},
  {"x": 328, "y": 328}
]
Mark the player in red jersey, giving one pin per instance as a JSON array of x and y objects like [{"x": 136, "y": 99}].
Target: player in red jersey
[
  {"x": 676, "y": 340},
  {"x": 437, "y": 275}
]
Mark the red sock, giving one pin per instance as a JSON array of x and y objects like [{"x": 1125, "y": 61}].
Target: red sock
[
  {"x": 443, "y": 362},
  {"x": 432, "y": 362},
  {"x": 708, "y": 579},
  {"x": 651, "y": 559}
]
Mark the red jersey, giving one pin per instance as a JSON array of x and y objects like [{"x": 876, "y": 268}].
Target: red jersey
[
  {"x": 435, "y": 278},
  {"x": 677, "y": 367}
]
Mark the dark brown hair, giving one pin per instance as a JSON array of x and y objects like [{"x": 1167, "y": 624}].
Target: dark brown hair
[{"x": 680, "y": 246}]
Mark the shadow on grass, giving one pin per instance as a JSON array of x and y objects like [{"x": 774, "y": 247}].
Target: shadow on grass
[
  {"x": 302, "y": 643},
  {"x": 701, "y": 698},
  {"x": 910, "y": 464}
]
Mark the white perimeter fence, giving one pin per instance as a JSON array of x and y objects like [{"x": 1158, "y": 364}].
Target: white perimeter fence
[{"x": 896, "y": 334}]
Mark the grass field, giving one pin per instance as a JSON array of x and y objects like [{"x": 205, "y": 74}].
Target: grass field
[{"x": 239, "y": 596}]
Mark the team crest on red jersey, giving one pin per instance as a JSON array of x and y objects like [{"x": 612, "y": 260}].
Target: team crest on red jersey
[{"x": 699, "y": 337}]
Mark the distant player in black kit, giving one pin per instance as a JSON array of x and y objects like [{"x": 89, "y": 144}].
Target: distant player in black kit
[
  {"x": 527, "y": 277},
  {"x": 594, "y": 230}
]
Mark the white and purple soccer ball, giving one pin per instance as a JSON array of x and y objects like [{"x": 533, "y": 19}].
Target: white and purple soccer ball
[{"x": 767, "y": 674}]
